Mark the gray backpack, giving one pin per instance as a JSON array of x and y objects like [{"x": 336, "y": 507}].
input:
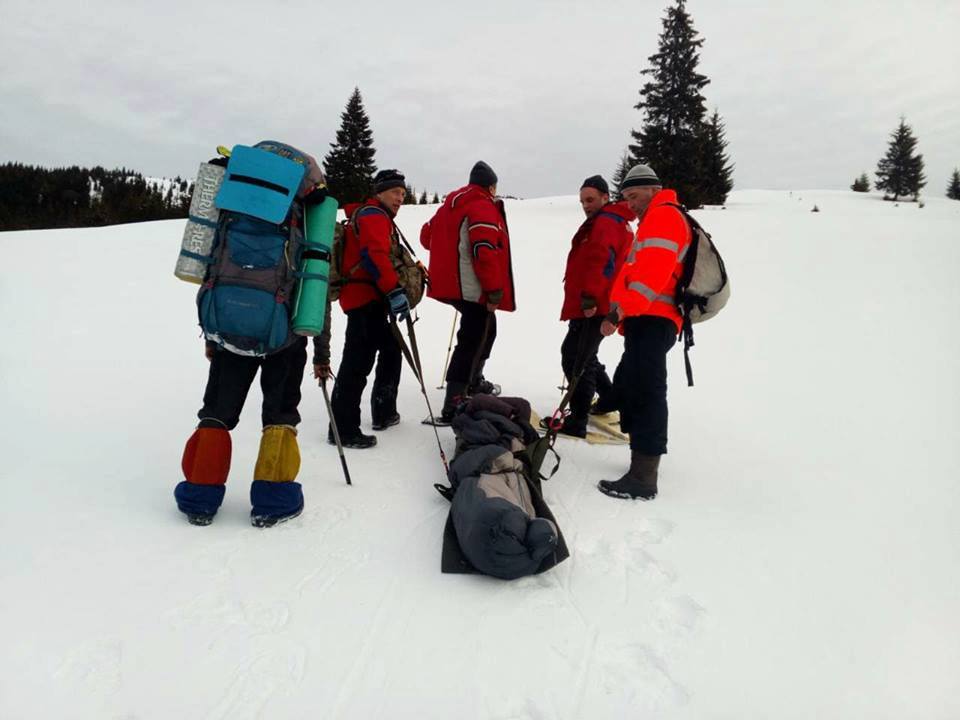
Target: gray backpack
[{"x": 704, "y": 287}]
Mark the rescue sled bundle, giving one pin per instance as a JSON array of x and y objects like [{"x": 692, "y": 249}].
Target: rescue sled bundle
[{"x": 498, "y": 524}]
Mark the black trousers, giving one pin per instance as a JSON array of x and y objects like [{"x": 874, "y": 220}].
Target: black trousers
[
  {"x": 583, "y": 338},
  {"x": 368, "y": 339},
  {"x": 230, "y": 377},
  {"x": 478, "y": 330},
  {"x": 641, "y": 382}
]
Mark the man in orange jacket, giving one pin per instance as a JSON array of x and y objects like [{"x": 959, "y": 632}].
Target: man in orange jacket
[{"x": 643, "y": 306}]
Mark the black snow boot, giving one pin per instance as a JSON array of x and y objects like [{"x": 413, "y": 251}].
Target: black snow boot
[
  {"x": 357, "y": 441},
  {"x": 573, "y": 428},
  {"x": 604, "y": 404},
  {"x": 482, "y": 386},
  {"x": 383, "y": 407},
  {"x": 384, "y": 423},
  {"x": 199, "y": 518},
  {"x": 268, "y": 521},
  {"x": 639, "y": 482},
  {"x": 455, "y": 393}
]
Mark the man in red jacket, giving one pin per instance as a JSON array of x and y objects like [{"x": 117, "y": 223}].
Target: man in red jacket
[
  {"x": 371, "y": 294},
  {"x": 643, "y": 305},
  {"x": 470, "y": 269},
  {"x": 596, "y": 254}
]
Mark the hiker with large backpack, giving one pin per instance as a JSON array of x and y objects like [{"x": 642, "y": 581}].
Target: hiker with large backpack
[
  {"x": 643, "y": 306},
  {"x": 597, "y": 251},
  {"x": 249, "y": 270},
  {"x": 470, "y": 269},
  {"x": 370, "y": 295}
]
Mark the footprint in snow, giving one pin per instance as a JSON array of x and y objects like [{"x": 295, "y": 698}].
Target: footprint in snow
[
  {"x": 257, "y": 681},
  {"x": 96, "y": 665}
]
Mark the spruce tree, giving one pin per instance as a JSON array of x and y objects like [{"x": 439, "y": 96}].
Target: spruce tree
[
  {"x": 423, "y": 198},
  {"x": 861, "y": 184},
  {"x": 716, "y": 173},
  {"x": 900, "y": 171},
  {"x": 436, "y": 199},
  {"x": 411, "y": 197},
  {"x": 953, "y": 189},
  {"x": 349, "y": 166},
  {"x": 623, "y": 167},
  {"x": 674, "y": 109}
]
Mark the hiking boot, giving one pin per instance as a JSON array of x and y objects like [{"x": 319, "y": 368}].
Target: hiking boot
[
  {"x": 201, "y": 519},
  {"x": 455, "y": 393},
  {"x": 388, "y": 422},
  {"x": 359, "y": 441},
  {"x": 603, "y": 406},
  {"x": 483, "y": 387},
  {"x": 638, "y": 483},
  {"x": 266, "y": 521},
  {"x": 573, "y": 429}
]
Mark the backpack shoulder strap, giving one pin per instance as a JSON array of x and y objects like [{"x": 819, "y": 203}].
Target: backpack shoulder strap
[
  {"x": 363, "y": 211},
  {"x": 689, "y": 260}
]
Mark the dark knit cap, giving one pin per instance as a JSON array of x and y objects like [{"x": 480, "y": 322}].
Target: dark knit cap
[
  {"x": 482, "y": 174},
  {"x": 388, "y": 179},
  {"x": 640, "y": 176},
  {"x": 597, "y": 183}
]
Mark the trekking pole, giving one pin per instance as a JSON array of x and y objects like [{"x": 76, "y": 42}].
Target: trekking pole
[
  {"x": 446, "y": 364},
  {"x": 418, "y": 373},
  {"x": 336, "y": 432}
]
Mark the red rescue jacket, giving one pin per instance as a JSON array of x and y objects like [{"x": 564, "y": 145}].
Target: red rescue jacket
[
  {"x": 367, "y": 267},
  {"x": 596, "y": 253},
  {"x": 647, "y": 282},
  {"x": 469, "y": 249}
]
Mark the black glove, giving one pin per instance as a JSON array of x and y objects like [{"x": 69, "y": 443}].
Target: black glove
[{"x": 316, "y": 196}]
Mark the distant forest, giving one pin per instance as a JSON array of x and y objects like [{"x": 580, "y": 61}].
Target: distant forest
[{"x": 33, "y": 198}]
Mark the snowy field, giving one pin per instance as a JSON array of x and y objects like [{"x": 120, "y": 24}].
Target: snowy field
[{"x": 802, "y": 560}]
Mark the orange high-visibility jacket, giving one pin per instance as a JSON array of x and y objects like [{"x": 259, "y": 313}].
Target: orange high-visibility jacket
[{"x": 647, "y": 282}]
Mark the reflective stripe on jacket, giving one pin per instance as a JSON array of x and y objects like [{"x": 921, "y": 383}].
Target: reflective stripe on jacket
[
  {"x": 469, "y": 249},
  {"x": 647, "y": 282}
]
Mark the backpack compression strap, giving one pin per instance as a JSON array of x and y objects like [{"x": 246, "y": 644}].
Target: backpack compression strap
[{"x": 683, "y": 303}]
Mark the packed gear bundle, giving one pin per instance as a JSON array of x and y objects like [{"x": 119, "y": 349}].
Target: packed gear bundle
[
  {"x": 253, "y": 250},
  {"x": 704, "y": 287},
  {"x": 498, "y": 524}
]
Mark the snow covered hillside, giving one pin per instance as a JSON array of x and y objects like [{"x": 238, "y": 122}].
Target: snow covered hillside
[{"x": 802, "y": 560}]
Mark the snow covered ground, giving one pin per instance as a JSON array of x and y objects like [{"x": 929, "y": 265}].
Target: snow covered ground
[{"x": 802, "y": 560}]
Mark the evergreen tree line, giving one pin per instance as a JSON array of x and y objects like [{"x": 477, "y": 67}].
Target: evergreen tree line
[
  {"x": 900, "y": 171},
  {"x": 33, "y": 198}
]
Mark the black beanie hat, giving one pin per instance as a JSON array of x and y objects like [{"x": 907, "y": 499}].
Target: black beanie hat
[
  {"x": 597, "y": 183},
  {"x": 482, "y": 174},
  {"x": 388, "y": 179}
]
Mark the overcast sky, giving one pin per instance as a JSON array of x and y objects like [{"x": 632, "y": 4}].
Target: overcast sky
[{"x": 809, "y": 90}]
